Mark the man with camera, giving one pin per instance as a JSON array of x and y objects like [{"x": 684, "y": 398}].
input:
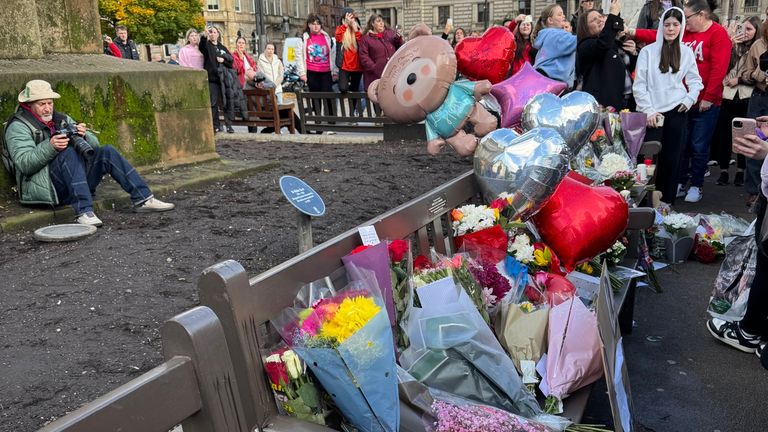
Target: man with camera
[{"x": 59, "y": 162}]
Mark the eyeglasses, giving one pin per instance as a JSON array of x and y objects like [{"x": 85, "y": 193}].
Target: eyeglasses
[{"x": 692, "y": 15}]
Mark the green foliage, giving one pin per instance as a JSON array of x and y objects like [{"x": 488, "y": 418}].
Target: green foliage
[{"x": 151, "y": 21}]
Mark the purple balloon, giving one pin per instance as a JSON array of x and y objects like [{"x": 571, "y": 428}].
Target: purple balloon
[{"x": 514, "y": 92}]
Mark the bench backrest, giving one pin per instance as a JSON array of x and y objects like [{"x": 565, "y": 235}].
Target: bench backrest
[
  {"x": 348, "y": 108},
  {"x": 194, "y": 387},
  {"x": 245, "y": 306},
  {"x": 262, "y": 103}
]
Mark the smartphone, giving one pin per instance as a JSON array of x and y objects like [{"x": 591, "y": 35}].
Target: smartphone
[
  {"x": 449, "y": 21},
  {"x": 739, "y": 29},
  {"x": 743, "y": 126}
]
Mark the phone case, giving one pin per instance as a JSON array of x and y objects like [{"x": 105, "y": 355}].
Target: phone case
[{"x": 743, "y": 126}]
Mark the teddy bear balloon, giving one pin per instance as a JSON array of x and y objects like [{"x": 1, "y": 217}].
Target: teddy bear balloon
[{"x": 419, "y": 83}]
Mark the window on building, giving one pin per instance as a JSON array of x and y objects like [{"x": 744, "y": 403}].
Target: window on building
[
  {"x": 750, "y": 6},
  {"x": 524, "y": 7},
  {"x": 237, "y": 5},
  {"x": 483, "y": 13},
  {"x": 564, "y": 6},
  {"x": 443, "y": 13},
  {"x": 212, "y": 4}
]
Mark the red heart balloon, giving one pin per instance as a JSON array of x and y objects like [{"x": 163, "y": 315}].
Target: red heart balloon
[
  {"x": 581, "y": 221},
  {"x": 488, "y": 56}
]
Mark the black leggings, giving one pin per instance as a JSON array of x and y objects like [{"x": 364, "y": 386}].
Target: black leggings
[
  {"x": 671, "y": 136},
  {"x": 320, "y": 82},
  {"x": 721, "y": 147},
  {"x": 756, "y": 319},
  {"x": 214, "y": 89}
]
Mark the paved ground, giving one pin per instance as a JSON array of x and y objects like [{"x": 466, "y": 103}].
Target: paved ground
[{"x": 682, "y": 379}]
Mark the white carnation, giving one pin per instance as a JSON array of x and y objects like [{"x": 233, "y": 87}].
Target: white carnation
[
  {"x": 612, "y": 163},
  {"x": 522, "y": 249}
]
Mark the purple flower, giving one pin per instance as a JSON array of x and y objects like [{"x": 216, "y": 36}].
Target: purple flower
[
  {"x": 488, "y": 276},
  {"x": 479, "y": 418}
]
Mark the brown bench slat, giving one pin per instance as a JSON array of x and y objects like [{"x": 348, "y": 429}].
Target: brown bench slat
[{"x": 156, "y": 401}]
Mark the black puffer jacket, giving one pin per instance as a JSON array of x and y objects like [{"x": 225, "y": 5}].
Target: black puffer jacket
[{"x": 600, "y": 61}]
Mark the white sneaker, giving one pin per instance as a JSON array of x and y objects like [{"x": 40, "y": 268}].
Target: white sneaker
[
  {"x": 680, "y": 191},
  {"x": 154, "y": 205},
  {"x": 694, "y": 194},
  {"x": 712, "y": 163},
  {"x": 330, "y": 133},
  {"x": 88, "y": 218}
]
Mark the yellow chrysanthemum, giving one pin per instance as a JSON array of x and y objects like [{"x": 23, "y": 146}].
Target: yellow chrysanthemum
[
  {"x": 541, "y": 257},
  {"x": 352, "y": 315},
  {"x": 526, "y": 307}
]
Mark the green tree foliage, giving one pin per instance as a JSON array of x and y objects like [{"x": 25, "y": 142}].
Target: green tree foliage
[{"x": 151, "y": 21}]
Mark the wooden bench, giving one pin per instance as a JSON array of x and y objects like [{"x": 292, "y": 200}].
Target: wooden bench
[
  {"x": 265, "y": 111},
  {"x": 313, "y": 110},
  {"x": 194, "y": 387},
  {"x": 245, "y": 305}
]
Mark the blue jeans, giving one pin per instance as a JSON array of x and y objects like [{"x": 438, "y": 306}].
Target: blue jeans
[
  {"x": 75, "y": 180},
  {"x": 701, "y": 127}
]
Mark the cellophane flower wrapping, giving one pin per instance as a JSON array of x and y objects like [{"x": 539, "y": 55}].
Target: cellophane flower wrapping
[
  {"x": 633, "y": 127},
  {"x": 295, "y": 391},
  {"x": 401, "y": 268},
  {"x": 734, "y": 280},
  {"x": 453, "y": 349},
  {"x": 346, "y": 340},
  {"x": 573, "y": 356},
  {"x": 375, "y": 259},
  {"x": 489, "y": 244},
  {"x": 521, "y": 327}
]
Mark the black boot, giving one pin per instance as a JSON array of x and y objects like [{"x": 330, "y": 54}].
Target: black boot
[
  {"x": 739, "y": 179},
  {"x": 723, "y": 179}
]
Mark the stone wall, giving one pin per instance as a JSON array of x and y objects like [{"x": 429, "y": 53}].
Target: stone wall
[
  {"x": 155, "y": 114},
  {"x": 32, "y": 28}
]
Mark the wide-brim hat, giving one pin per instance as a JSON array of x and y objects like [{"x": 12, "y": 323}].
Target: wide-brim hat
[{"x": 37, "y": 90}]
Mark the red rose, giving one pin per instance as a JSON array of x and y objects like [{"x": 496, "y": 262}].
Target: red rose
[
  {"x": 278, "y": 375},
  {"x": 397, "y": 250},
  {"x": 704, "y": 251},
  {"x": 421, "y": 262},
  {"x": 499, "y": 203},
  {"x": 359, "y": 249},
  {"x": 532, "y": 294}
]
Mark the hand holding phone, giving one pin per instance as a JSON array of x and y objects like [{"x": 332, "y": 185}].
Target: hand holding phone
[{"x": 741, "y": 127}]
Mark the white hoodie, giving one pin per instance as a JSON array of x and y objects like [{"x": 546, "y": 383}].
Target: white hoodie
[{"x": 657, "y": 92}]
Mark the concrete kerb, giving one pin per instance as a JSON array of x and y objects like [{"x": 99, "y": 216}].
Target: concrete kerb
[
  {"x": 110, "y": 195},
  {"x": 340, "y": 138}
]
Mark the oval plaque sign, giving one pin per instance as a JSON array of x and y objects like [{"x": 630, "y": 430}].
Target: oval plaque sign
[{"x": 302, "y": 196}]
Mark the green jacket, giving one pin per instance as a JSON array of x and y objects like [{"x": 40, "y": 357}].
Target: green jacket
[{"x": 31, "y": 160}]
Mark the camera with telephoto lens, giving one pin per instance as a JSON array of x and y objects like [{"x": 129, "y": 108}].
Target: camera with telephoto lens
[{"x": 79, "y": 143}]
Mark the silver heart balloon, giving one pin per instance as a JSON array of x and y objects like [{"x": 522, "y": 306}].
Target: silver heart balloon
[
  {"x": 575, "y": 116},
  {"x": 528, "y": 167}
]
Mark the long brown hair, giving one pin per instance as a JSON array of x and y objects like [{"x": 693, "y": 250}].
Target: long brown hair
[
  {"x": 369, "y": 24},
  {"x": 670, "y": 50},
  {"x": 541, "y": 23},
  {"x": 582, "y": 25},
  {"x": 520, "y": 41}
]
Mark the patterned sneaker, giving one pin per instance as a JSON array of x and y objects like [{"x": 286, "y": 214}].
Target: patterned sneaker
[{"x": 731, "y": 334}]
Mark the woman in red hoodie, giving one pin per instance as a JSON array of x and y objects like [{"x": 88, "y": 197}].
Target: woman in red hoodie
[{"x": 711, "y": 46}]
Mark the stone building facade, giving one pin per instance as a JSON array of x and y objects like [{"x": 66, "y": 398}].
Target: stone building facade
[{"x": 281, "y": 18}]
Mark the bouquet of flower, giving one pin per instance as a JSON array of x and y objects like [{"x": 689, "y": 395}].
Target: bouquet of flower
[
  {"x": 477, "y": 230},
  {"x": 460, "y": 267},
  {"x": 450, "y": 417},
  {"x": 376, "y": 259},
  {"x": 616, "y": 253},
  {"x": 679, "y": 224},
  {"x": 708, "y": 244},
  {"x": 586, "y": 162},
  {"x": 453, "y": 349},
  {"x": 621, "y": 180},
  {"x": 294, "y": 390},
  {"x": 399, "y": 253},
  {"x": 346, "y": 340},
  {"x": 611, "y": 163},
  {"x": 494, "y": 285},
  {"x": 521, "y": 327},
  {"x": 472, "y": 218},
  {"x": 599, "y": 141},
  {"x": 573, "y": 358}
]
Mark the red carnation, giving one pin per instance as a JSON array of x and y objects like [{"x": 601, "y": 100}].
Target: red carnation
[
  {"x": 397, "y": 250},
  {"x": 704, "y": 251},
  {"x": 421, "y": 262}
]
